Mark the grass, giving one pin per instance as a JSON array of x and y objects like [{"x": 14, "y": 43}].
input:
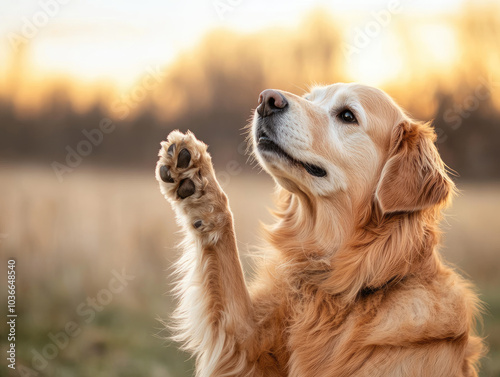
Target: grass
[{"x": 69, "y": 237}]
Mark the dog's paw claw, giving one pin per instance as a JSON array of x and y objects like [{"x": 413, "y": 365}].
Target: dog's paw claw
[
  {"x": 165, "y": 174},
  {"x": 183, "y": 159},
  {"x": 186, "y": 188},
  {"x": 171, "y": 150}
]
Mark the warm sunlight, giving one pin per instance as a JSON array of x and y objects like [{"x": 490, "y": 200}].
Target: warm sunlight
[
  {"x": 377, "y": 64},
  {"x": 87, "y": 48},
  {"x": 440, "y": 45},
  {"x": 75, "y": 40}
]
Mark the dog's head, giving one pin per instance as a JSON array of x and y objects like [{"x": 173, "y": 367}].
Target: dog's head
[{"x": 351, "y": 139}]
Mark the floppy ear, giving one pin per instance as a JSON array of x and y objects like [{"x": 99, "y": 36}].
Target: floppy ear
[{"x": 414, "y": 177}]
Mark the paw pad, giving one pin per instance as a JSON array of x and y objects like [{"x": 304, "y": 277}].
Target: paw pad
[
  {"x": 186, "y": 188},
  {"x": 183, "y": 159},
  {"x": 165, "y": 174}
]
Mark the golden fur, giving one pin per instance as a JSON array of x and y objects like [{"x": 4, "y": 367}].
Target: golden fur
[{"x": 352, "y": 283}]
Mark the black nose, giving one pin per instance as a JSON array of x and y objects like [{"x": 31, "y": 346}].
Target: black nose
[{"x": 270, "y": 102}]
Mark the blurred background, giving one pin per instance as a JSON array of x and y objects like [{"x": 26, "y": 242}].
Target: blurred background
[{"x": 88, "y": 89}]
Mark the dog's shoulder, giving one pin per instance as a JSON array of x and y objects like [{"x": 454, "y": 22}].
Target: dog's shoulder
[{"x": 419, "y": 310}]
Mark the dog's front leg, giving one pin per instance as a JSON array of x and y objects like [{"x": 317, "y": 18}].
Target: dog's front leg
[{"x": 214, "y": 318}]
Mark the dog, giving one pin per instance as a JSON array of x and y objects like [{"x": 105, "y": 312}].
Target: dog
[{"x": 352, "y": 283}]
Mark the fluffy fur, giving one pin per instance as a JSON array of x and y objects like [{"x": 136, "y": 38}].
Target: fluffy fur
[{"x": 352, "y": 283}]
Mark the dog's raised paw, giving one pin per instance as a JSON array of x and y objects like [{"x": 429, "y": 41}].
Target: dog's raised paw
[
  {"x": 187, "y": 179},
  {"x": 183, "y": 160}
]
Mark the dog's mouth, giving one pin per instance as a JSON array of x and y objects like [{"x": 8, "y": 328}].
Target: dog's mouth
[{"x": 265, "y": 143}]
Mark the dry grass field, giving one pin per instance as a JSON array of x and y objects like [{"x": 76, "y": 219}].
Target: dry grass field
[{"x": 71, "y": 239}]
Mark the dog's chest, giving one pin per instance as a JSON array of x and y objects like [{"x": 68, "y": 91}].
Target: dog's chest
[
  {"x": 313, "y": 329},
  {"x": 321, "y": 330}
]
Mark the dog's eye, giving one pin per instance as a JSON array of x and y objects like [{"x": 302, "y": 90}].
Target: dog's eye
[{"x": 347, "y": 116}]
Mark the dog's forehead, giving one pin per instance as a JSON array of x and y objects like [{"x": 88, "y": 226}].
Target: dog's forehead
[
  {"x": 321, "y": 94},
  {"x": 366, "y": 96}
]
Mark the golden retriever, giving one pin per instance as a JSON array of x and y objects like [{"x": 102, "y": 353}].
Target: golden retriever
[{"x": 352, "y": 283}]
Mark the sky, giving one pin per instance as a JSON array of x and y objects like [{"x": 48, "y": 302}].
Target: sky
[{"x": 117, "y": 40}]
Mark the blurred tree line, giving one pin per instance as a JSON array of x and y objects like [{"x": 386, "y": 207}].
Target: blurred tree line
[{"x": 213, "y": 89}]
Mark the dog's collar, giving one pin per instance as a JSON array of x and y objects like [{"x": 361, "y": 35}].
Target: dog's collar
[{"x": 367, "y": 291}]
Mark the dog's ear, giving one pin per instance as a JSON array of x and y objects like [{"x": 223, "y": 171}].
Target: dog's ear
[{"x": 414, "y": 177}]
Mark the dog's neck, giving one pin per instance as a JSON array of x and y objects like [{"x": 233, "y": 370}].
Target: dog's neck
[
  {"x": 346, "y": 248},
  {"x": 306, "y": 228}
]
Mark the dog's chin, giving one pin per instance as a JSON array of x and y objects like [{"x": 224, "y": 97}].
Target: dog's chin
[{"x": 274, "y": 154}]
